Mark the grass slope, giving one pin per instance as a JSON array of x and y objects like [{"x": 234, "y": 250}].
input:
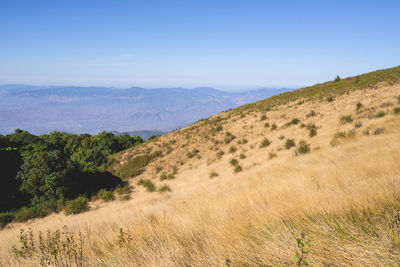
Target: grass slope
[{"x": 240, "y": 188}]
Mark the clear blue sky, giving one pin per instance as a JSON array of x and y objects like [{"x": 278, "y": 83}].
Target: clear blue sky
[{"x": 220, "y": 43}]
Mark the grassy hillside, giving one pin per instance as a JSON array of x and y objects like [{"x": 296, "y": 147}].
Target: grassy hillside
[{"x": 307, "y": 176}]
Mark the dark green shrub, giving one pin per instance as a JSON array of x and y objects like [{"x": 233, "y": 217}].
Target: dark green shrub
[
  {"x": 272, "y": 155},
  {"x": 265, "y": 143},
  {"x": 105, "y": 195},
  {"x": 266, "y": 125},
  {"x": 164, "y": 188},
  {"x": 330, "y": 99},
  {"x": 148, "y": 184},
  {"x": 166, "y": 176},
  {"x": 380, "y": 114},
  {"x": 359, "y": 106},
  {"x": 337, "y": 79},
  {"x": 292, "y": 122},
  {"x": 358, "y": 125},
  {"x": 263, "y": 117},
  {"x": 38, "y": 211},
  {"x": 396, "y": 110},
  {"x": 213, "y": 174},
  {"x": 228, "y": 137},
  {"x": 340, "y": 135},
  {"x": 193, "y": 153},
  {"x": 220, "y": 154},
  {"x": 273, "y": 127},
  {"x": 238, "y": 168},
  {"x": 289, "y": 143},
  {"x": 312, "y": 130},
  {"x": 234, "y": 162},
  {"x": 346, "y": 119},
  {"x": 77, "y": 205},
  {"x": 304, "y": 147},
  {"x": 232, "y": 149},
  {"x": 242, "y": 156}
]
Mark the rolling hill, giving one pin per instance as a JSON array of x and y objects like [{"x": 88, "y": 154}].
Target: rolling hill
[{"x": 308, "y": 176}]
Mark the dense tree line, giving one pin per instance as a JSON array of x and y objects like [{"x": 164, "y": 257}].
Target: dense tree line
[{"x": 40, "y": 173}]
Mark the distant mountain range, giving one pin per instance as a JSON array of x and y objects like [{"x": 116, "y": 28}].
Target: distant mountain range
[{"x": 42, "y": 109}]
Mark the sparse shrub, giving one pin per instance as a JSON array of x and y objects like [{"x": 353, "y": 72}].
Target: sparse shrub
[
  {"x": 379, "y": 131},
  {"x": 167, "y": 176},
  {"x": 380, "y": 114},
  {"x": 234, "y": 162},
  {"x": 232, "y": 149},
  {"x": 289, "y": 143},
  {"x": 341, "y": 134},
  {"x": 220, "y": 154},
  {"x": 164, "y": 188},
  {"x": 263, "y": 117},
  {"x": 266, "y": 125},
  {"x": 158, "y": 169},
  {"x": 265, "y": 142},
  {"x": 337, "y": 79},
  {"x": 242, "y": 156},
  {"x": 312, "y": 130},
  {"x": 273, "y": 126},
  {"x": 359, "y": 106},
  {"x": 58, "y": 248},
  {"x": 330, "y": 99},
  {"x": 351, "y": 133},
  {"x": 292, "y": 122},
  {"x": 304, "y": 147},
  {"x": 281, "y": 137},
  {"x": 346, "y": 119},
  {"x": 105, "y": 195},
  {"x": 238, "y": 168},
  {"x": 311, "y": 114},
  {"x": 193, "y": 153},
  {"x": 358, "y": 125},
  {"x": 272, "y": 155},
  {"x": 213, "y": 174},
  {"x": 242, "y": 142},
  {"x": 148, "y": 184},
  {"x": 218, "y": 128},
  {"x": 77, "y": 205},
  {"x": 396, "y": 110},
  {"x": 228, "y": 137}
]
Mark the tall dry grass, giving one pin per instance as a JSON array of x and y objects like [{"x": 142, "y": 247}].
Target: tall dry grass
[{"x": 340, "y": 204}]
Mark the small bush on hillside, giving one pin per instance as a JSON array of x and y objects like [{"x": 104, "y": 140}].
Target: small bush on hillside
[
  {"x": 359, "y": 106},
  {"x": 396, "y": 110},
  {"x": 266, "y": 125},
  {"x": 164, "y": 188},
  {"x": 243, "y": 141},
  {"x": 273, "y": 127},
  {"x": 232, "y": 149},
  {"x": 289, "y": 143},
  {"x": 77, "y": 205},
  {"x": 346, "y": 119},
  {"x": 304, "y": 147},
  {"x": 234, "y": 162},
  {"x": 379, "y": 131},
  {"x": 263, "y": 117},
  {"x": 272, "y": 155},
  {"x": 238, "y": 168},
  {"x": 105, "y": 195},
  {"x": 380, "y": 114},
  {"x": 38, "y": 211},
  {"x": 358, "y": 125},
  {"x": 330, "y": 99},
  {"x": 341, "y": 134},
  {"x": 337, "y": 79},
  {"x": 167, "y": 176},
  {"x": 312, "y": 129},
  {"x": 281, "y": 137},
  {"x": 228, "y": 137},
  {"x": 220, "y": 154},
  {"x": 292, "y": 122},
  {"x": 242, "y": 156},
  {"x": 148, "y": 184},
  {"x": 311, "y": 114},
  {"x": 213, "y": 174},
  {"x": 193, "y": 153},
  {"x": 265, "y": 143}
]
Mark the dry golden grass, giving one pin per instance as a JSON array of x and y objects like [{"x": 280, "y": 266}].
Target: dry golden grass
[{"x": 341, "y": 197}]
